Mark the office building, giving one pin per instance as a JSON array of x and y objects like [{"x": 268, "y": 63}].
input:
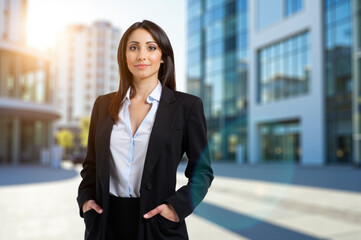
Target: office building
[
  {"x": 217, "y": 71},
  {"x": 86, "y": 68},
  {"x": 278, "y": 78},
  {"x": 27, "y": 112}
]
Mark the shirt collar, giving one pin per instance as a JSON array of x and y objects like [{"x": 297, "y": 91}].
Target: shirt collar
[
  {"x": 154, "y": 95},
  {"x": 127, "y": 98}
]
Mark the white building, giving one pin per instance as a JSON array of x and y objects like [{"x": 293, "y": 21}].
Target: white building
[
  {"x": 304, "y": 110},
  {"x": 280, "y": 79},
  {"x": 86, "y": 68},
  {"x": 12, "y": 20}
]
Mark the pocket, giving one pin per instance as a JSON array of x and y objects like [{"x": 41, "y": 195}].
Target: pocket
[
  {"x": 91, "y": 227},
  {"x": 166, "y": 222},
  {"x": 89, "y": 214},
  {"x": 165, "y": 229}
]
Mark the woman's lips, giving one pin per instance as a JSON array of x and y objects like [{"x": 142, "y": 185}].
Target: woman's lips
[{"x": 141, "y": 66}]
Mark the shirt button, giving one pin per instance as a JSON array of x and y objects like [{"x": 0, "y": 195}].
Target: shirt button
[{"x": 149, "y": 186}]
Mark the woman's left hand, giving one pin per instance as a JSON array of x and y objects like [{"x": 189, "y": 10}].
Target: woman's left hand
[{"x": 166, "y": 210}]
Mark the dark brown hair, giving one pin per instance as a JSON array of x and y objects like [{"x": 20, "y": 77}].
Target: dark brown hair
[{"x": 166, "y": 74}]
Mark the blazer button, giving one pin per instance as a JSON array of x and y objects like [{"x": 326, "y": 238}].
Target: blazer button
[{"x": 149, "y": 186}]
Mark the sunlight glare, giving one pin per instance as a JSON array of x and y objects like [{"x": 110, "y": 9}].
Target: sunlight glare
[{"x": 42, "y": 27}]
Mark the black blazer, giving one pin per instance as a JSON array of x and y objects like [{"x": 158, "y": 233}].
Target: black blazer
[{"x": 179, "y": 128}]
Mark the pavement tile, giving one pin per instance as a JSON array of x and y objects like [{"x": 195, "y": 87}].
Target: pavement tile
[
  {"x": 47, "y": 209},
  {"x": 318, "y": 226},
  {"x": 348, "y": 236},
  {"x": 199, "y": 228},
  {"x": 303, "y": 209}
]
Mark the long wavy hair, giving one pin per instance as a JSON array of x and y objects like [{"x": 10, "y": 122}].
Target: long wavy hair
[{"x": 166, "y": 73}]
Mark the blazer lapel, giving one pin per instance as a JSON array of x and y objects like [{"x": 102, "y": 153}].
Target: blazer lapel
[{"x": 163, "y": 122}]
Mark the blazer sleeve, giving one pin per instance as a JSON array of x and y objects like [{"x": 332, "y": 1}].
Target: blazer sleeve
[
  {"x": 86, "y": 190},
  {"x": 198, "y": 171}
]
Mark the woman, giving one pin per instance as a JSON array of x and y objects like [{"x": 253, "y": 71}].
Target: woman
[{"x": 137, "y": 138}]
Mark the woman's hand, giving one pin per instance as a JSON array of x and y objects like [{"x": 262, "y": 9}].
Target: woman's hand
[
  {"x": 166, "y": 210},
  {"x": 91, "y": 204}
]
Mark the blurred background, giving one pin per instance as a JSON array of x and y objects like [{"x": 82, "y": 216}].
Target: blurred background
[{"x": 280, "y": 82}]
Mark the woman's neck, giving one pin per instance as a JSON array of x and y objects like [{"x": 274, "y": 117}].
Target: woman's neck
[{"x": 144, "y": 88}]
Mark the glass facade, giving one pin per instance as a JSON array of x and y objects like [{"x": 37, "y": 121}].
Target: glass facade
[
  {"x": 195, "y": 47},
  {"x": 26, "y": 137},
  {"x": 271, "y": 12},
  {"x": 26, "y": 130},
  {"x": 24, "y": 78},
  {"x": 280, "y": 142},
  {"x": 284, "y": 69},
  {"x": 292, "y": 6},
  {"x": 338, "y": 80},
  {"x": 217, "y": 70}
]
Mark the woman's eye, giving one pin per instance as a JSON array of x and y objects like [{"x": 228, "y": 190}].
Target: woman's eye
[
  {"x": 132, "y": 47},
  {"x": 152, "y": 48}
]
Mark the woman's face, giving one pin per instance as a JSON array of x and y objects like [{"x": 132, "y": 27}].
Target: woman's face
[{"x": 143, "y": 55}]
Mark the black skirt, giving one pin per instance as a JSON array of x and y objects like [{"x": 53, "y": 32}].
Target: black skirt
[{"x": 123, "y": 218}]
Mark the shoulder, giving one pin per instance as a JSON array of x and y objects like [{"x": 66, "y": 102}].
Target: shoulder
[
  {"x": 101, "y": 104},
  {"x": 189, "y": 101},
  {"x": 186, "y": 98},
  {"x": 184, "y": 95},
  {"x": 170, "y": 96},
  {"x": 104, "y": 99}
]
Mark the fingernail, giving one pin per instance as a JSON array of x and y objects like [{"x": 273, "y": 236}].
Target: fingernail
[
  {"x": 101, "y": 210},
  {"x": 146, "y": 215}
]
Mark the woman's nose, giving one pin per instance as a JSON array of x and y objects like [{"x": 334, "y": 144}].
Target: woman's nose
[{"x": 141, "y": 55}]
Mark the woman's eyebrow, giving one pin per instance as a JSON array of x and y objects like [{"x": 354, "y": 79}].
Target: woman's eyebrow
[{"x": 138, "y": 42}]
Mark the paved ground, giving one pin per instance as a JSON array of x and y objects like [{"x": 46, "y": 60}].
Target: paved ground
[{"x": 245, "y": 202}]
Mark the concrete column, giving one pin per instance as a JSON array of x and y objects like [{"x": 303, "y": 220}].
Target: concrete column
[
  {"x": 16, "y": 141},
  {"x": 3, "y": 141},
  {"x": 356, "y": 77},
  {"x": 50, "y": 134},
  {"x": 4, "y": 61},
  {"x": 17, "y": 74}
]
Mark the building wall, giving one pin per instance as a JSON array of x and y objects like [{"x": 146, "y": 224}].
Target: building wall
[
  {"x": 27, "y": 113},
  {"x": 309, "y": 114},
  {"x": 12, "y": 20},
  {"x": 308, "y": 108}
]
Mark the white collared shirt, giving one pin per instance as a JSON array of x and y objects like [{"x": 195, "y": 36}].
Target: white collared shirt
[{"x": 127, "y": 152}]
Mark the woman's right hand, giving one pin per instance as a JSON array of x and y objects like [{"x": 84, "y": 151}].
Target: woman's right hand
[{"x": 91, "y": 204}]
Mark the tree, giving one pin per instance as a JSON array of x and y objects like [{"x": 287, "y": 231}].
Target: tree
[
  {"x": 65, "y": 138},
  {"x": 84, "y": 131}
]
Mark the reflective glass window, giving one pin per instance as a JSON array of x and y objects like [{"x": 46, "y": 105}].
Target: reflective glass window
[
  {"x": 280, "y": 142},
  {"x": 283, "y": 70},
  {"x": 338, "y": 79},
  {"x": 292, "y": 6}
]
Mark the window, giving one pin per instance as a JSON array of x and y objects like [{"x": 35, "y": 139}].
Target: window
[
  {"x": 270, "y": 12},
  {"x": 284, "y": 69},
  {"x": 292, "y": 6},
  {"x": 280, "y": 142}
]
